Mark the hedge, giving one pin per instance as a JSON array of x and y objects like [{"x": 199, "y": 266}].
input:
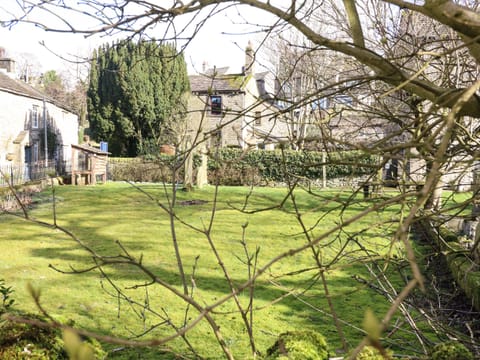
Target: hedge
[
  {"x": 231, "y": 166},
  {"x": 142, "y": 170},
  {"x": 277, "y": 166}
]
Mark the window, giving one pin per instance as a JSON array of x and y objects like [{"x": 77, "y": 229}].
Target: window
[
  {"x": 287, "y": 90},
  {"x": 35, "y": 155},
  {"x": 35, "y": 117},
  {"x": 321, "y": 103},
  {"x": 258, "y": 118},
  {"x": 344, "y": 100},
  {"x": 215, "y": 105}
]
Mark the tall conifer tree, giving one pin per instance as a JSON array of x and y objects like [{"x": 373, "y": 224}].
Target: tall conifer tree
[{"x": 136, "y": 96}]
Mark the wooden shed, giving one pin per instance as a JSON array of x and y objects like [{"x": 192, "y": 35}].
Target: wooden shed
[{"x": 88, "y": 163}]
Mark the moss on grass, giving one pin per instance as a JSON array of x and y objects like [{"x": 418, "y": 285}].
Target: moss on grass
[
  {"x": 371, "y": 353},
  {"x": 451, "y": 350},
  {"x": 299, "y": 345},
  {"x": 25, "y": 341},
  {"x": 18, "y": 341}
]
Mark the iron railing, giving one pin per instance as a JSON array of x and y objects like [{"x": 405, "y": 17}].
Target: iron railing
[{"x": 21, "y": 174}]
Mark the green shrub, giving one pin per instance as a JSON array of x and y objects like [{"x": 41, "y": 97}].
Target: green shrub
[
  {"x": 372, "y": 353},
  {"x": 6, "y": 297},
  {"x": 451, "y": 350},
  {"x": 228, "y": 175},
  {"x": 140, "y": 170},
  {"x": 299, "y": 345},
  {"x": 25, "y": 341},
  {"x": 279, "y": 166},
  {"x": 447, "y": 234},
  {"x": 233, "y": 166}
]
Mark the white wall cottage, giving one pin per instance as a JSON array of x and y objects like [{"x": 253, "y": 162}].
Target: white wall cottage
[{"x": 22, "y": 125}]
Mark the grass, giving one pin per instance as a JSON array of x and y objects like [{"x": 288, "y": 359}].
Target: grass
[{"x": 106, "y": 215}]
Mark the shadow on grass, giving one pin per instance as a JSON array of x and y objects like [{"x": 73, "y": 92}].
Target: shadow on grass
[
  {"x": 89, "y": 217},
  {"x": 306, "y": 309}
]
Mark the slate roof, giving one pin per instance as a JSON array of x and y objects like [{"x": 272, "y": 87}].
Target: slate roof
[
  {"x": 21, "y": 88},
  {"x": 217, "y": 81},
  {"x": 90, "y": 149},
  {"x": 218, "y": 71},
  {"x": 18, "y": 87}
]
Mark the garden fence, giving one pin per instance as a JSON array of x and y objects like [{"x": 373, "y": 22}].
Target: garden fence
[{"x": 21, "y": 174}]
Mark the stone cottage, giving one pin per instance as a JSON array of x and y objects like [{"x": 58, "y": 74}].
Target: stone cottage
[
  {"x": 234, "y": 109},
  {"x": 27, "y": 119}
]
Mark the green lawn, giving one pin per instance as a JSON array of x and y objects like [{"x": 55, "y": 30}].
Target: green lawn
[{"x": 287, "y": 296}]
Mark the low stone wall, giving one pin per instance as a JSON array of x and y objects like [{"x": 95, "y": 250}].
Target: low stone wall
[
  {"x": 468, "y": 229},
  {"x": 460, "y": 260},
  {"x": 341, "y": 182}
]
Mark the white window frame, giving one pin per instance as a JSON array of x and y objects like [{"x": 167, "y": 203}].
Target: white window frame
[
  {"x": 35, "y": 117},
  {"x": 35, "y": 152}
]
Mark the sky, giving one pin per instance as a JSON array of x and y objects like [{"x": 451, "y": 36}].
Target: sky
[{"x": 220, "y": 42}]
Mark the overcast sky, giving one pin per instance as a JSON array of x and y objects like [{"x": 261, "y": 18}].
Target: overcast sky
[{"x": 221, "y": 42}]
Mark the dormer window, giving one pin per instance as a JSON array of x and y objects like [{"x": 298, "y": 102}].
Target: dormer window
[
  {"x": 35, "y": 117},
  {"x": 215, "y": 104}
]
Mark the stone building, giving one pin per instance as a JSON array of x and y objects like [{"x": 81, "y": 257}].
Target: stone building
[
  {"x": 438, "y": 51},
  {"x": 234, "y": 109},
  {"x": 27, "y": 118}
]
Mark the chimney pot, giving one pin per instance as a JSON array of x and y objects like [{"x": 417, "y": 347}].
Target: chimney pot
[
  {"x": 6, "y": 64},
  {"x": 249, "y": 58}
]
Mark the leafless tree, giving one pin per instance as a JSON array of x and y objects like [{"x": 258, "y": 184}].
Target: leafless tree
[
  {"x": 414, "y": 92},
  {"x": 28, "y": 68}
]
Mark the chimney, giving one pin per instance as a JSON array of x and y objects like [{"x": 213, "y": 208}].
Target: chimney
[
  {"x": 249, "y": 59},
  {"x": 6, "y": 64},
  {"x": 204, "y": 66}
]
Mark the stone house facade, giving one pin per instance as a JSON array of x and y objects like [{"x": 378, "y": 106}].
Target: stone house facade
[
  {"x": 420, "y": 35},
  {"x": 234, "y": 109},
  {"x": 27, "y": 117}
]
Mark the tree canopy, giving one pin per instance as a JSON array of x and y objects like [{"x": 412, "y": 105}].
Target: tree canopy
[{"x": 136, "y": 95}]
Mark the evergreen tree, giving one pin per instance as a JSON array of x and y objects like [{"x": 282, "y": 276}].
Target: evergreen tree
[{"x": 136, "y": 96}]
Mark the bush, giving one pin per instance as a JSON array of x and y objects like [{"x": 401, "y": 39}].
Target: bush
[
  {"x": 6, "y": 297},
  {"x": 229, "y": 175},
  {"x": 451, "y": 350},
  {"x": 231, "y": 166},
  {"x": 234, "y": 166},
  {"x": 140, "y": 170},
  {"x": 299, "y": 345},
  {"x": 25, "y": 341},
  {"x": 371, "y": 353}
]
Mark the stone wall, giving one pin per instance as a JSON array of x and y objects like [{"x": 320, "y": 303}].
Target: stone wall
[{"x": 461, "y": 262}]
